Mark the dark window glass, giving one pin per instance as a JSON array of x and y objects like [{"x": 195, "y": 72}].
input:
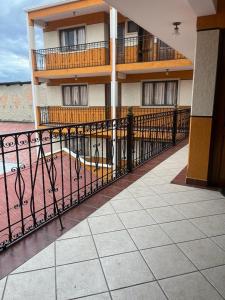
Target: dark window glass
[{"x": 132, "y": 27}]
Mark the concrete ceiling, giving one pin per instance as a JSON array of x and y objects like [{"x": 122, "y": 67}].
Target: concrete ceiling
[{"x": 157, "y": 16}]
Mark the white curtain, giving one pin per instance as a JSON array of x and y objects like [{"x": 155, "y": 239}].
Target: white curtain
[
  {"x": 63, "y": 38},
  {"x": 171, "y": 93},
  {"x": 83, "y": 95},
  {"x": 66, "y": 96},
  {"x": 159, "y": 93},
  {"x": 75, "y": 96},
  {"x": 148, "y": 94},
  {"x": 81, "y": 35}
]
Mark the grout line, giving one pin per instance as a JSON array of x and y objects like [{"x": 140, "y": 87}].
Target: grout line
[
  {"x": 4, "y": 289},
  {"x": 100, "y": 261},
  {"x": 56, "y": 294},
  {"x": 142, "y": 257}
]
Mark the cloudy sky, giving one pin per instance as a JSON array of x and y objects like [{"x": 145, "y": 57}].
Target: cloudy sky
[{"x": 14, "y": 62}]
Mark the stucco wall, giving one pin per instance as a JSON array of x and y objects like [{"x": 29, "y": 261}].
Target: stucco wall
[
  {"x": 16, "y": 103},
  {"x": 132, "y": 93},
  {"x": 52, "y": 95},
  {"x": 94, "y": 33}
]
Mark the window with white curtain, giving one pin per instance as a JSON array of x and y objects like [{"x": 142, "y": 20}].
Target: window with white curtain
[
  {"x": 75, "y": 95},
  {"x": 72, "y": 36},
  {"x": 158, "y": 93}
]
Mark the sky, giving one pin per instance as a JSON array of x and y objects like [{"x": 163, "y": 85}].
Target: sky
[{"x": 14, "y": 57}]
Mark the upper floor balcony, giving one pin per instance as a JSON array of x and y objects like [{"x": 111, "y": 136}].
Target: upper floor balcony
[
  {"x": 146, "y": 48},
  {"x": 75, "y": 56},
  {"x": 139, "y": 49}
]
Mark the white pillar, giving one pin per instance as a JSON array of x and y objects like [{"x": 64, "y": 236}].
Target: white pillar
[
  {"x": 114, "y": 84},
  {"x": 32, "y": 46}
]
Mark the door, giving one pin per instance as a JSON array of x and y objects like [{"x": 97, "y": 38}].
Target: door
[
  {"x": 108, "y": 101},
  {"x": 216, "y": 174},
  {"x": 145, "y": 45}
]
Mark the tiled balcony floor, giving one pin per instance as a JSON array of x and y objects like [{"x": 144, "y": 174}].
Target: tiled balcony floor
[{"x": 154, "y": 240}]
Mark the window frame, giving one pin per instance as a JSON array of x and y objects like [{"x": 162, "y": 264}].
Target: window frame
[
  {"x": 71, "y": 86},
  {"x": 165, "y": 94},
  {"x": 70, "y": 29},
  {"x": 127, "y": 27}
]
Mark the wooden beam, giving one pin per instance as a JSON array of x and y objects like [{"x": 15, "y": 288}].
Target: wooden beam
[{"x": 89, "y": 80}]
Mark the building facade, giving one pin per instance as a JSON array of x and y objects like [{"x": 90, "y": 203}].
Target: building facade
[{"x": 96, "y": 63}]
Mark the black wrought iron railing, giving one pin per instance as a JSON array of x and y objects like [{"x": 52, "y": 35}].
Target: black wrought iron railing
[
  {"x": 145, "y": 48},
  {"x": 44, "y": 173},
  {"x": 76, "y": 56}
]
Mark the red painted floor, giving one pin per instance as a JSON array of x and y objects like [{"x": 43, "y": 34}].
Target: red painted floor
[
  {"x": 7, "y": 127},
  {"x": 40, "y": 199}
]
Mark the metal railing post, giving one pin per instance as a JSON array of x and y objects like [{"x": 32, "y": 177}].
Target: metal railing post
[
  {"x": 130, "y": 120},
  {"x": 174, "y": 129}
]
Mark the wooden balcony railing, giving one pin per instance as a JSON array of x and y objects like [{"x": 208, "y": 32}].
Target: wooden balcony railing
[
  {"x": 145, "y": 48},
  {"x": 58, "y": 115},
  {"x": 76, "y": 56}
]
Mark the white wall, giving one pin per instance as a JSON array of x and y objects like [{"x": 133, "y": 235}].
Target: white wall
[
  {"x": 131, "y": 94},
  {"x": 51, "y": 39},
  {"x": 185, "y": 93},
  {"x": 96, "y": 95},
  {"x": 94, "y": 33},
  {"x": 52, "y": 95}
]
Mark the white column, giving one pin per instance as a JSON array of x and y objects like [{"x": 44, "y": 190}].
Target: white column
[
  {"x": 32, "y": 46},
  {"x": 114, "y": 84}
]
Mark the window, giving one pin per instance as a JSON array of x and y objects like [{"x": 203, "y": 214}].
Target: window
[
  {"x": 159, "y": 93},
  {"x": 72, "y": 36},
  {"x": 78, "y": 144},
  {"x": 75, "y": 95},
  {"x": 132, "y": 27}
]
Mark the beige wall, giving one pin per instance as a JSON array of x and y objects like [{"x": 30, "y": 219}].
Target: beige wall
[
  {"x": 185, "y": 92},
  {"x": 132, "y": 93},
  {"x": 52, "y": 95},
  {"x": 94, "y": 33},
  {"x": 16, "y": 103}
]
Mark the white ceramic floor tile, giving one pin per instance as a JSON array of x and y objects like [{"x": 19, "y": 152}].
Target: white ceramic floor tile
[
  {"x": 212, "y": 225},
  {"x": 104, "y": 296},
  {"x": 151, "y": 201},
  {"x": 81, "y": 229},
  {"x": 126, "y": 205},
  {"x": 181, "y": 231},
  {"x": 167, "y": 261},
  {"x": 203, "y": 253},
  {"x": 136, "y": 219},
  {"x": 147, "y": 291},
  {"x": 106, "y": 209},
  {"x": 80, "y": 279},
  {"x": 189, "y": 287},
  {"x": 105, "y": 224},
  {"x": 125, "y": 269},
  {"x": 44, "y": 259},
  {"x": 217, "y": 278},
  {"x": 165, "y": 214},
  {"x": 34, "y": 285},
  {"x": 114, "y": 243},
  {"x": 149, "y": 236},
  {"x": 219, "y": 240},
  {"x": 75, "y": 250},
  {"x": 2, "y": 286}
]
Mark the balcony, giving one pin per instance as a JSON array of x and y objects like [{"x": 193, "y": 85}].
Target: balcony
[
  {"x": 76, "y": 56},
  {"x": 59, "y": 115},
  {"x": 146, "y": 48}
]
